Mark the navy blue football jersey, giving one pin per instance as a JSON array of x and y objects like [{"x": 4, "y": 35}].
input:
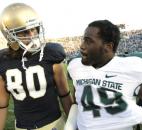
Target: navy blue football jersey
[{"x": 33, "y": 89}]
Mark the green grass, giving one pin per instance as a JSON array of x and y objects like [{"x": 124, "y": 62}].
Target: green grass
[
  {"x": 10, "y": 121},
  {"x": 11, "y": 117}
]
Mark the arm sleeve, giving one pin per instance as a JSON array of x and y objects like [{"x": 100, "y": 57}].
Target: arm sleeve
[
  {"x": 71, "y": 123},
  {"x": 54, "y": 53}
]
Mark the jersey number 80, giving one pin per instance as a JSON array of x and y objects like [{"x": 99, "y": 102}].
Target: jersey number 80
[{"x": 15, "y": 84}]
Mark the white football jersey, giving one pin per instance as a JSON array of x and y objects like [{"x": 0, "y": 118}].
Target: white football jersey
[{"x": 106, "y": 96}]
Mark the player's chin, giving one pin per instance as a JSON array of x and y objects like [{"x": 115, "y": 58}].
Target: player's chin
[{"x": 85, "y": 61}]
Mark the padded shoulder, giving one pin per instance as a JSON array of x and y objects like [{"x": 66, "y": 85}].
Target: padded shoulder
[
  {"x": 4, "y": 54},
  {"x": 54, "y": 53}
]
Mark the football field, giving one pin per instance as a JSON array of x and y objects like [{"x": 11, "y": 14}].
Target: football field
[{"x": 10, "y": 119}]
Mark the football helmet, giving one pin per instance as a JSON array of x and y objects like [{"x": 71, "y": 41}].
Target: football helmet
[{"x": 20, "y": 17}]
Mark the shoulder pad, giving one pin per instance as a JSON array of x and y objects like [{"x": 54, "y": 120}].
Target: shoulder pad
[
  {"x": 54, "y": 53},
  {"x": 4, "y": 54}
]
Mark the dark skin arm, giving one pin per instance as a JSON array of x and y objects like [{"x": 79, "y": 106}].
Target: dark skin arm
[
  {"x": 62, "y": 86},
  {"x": 4, "y": 99}
]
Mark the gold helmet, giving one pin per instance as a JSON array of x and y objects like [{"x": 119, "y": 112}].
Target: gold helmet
[{"x": 20, "y": 17}]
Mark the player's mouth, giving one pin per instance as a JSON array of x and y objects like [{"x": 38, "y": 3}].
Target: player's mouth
[{"x": 83, "y": 55}]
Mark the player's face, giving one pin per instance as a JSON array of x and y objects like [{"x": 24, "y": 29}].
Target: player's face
[
  {"x": 92, "y": 47},
  {"x": 27, "y": 35}
]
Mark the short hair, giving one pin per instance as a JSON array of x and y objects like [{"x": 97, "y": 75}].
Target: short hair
[{"x": 108, "y": 32}]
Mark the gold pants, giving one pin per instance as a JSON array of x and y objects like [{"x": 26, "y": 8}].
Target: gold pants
[{"x": 56, "y": 125}]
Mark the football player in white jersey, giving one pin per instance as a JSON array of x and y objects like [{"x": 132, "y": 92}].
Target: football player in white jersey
[{"x": 106, "y": 85}]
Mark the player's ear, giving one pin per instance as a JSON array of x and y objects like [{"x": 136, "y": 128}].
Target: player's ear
[{"x": 108, "y": 47}]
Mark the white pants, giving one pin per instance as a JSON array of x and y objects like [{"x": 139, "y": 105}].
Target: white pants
[
  {"x": 127, "y": 128},
  {"x": 57, "y": 125}
]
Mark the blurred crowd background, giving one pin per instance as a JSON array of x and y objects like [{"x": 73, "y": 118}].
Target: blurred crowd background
[{"x": 131, "y": 42}]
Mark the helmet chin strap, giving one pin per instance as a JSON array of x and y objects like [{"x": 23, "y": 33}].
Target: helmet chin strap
[
  {"x": 25, "y": 51},
  {"x": 23, "y": 60},
  {"x": 27, "y": 48},
  {"x": 42, "y": 52}
]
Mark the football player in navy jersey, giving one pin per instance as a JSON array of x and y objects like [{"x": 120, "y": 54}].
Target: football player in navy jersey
[
  {"x": 32, "y": 72},
  {"x": 106, "y": 85}
]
